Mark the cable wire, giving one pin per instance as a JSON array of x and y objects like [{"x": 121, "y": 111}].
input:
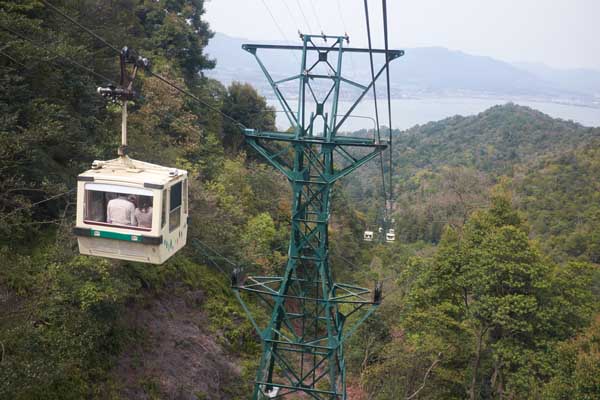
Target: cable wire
[
  {"x": 275, "y": 20},
  {"x": 13, "y": 60},
  {"x": 95, "y": 35},
  {"x": 350, "y": 263},
  {"x": 314, "y": 10},
  {"x": 289, "y": 11},
  {"x": 389, "y": 98},
  {"x": 372, "y": 67},
  {"x": 42, "y": 48},
  {"x": 283, "y": 35},
  {"x": 194, "y": 97},
  {"x": 216, "y": 252},
  {"x": 340, "y": 11},
  {"x": 304, "y": 17},
  {"x": 202, "y": 247},
  {"x": 159, "y": 77},
  {"x": 29, "y": 206},
  {"x": 376, "y": 108}
]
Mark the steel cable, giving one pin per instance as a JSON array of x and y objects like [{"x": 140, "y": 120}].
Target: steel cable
[
  {"x": 159, "y": 77},
  {"x": 387, "y": 74},
  {"x": 95, "y": 35},
  {"x": 29, "y": 206},
  {"x": 304, "y": 17},
  {"x": 283, "y": 35},
  {"x": 376, "y": 108},
  {"x": 42, "y": 48}
]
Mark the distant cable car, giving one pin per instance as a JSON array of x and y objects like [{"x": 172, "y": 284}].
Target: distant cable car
[
  {"x": 368, "y": 236},
  {"x": 273, "y": 393},
  {"x": 390, "y": 236},
  {"x": 129, "y": 209}
]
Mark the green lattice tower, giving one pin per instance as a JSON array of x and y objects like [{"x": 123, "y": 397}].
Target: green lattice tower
[{"x": 311, "y": 315}]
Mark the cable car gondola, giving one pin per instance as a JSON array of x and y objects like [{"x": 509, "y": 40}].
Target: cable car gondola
[
  {"x": 368, "y": 236},
  {"x": 129, "y": 209},
  {"x": 390, "y": 236},
  {"x": 155, "y": 227}
]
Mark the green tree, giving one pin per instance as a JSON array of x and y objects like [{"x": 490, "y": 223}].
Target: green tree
[
  {"x": 243, "y": 103},
  {"x": 577, "y": 373},
  {"x": 492, "y": 302},
  {"x": 257, "y": 239}
]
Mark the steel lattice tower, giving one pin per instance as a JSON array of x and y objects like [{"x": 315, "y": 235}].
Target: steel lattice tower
[{"x": 311, "y": 314}]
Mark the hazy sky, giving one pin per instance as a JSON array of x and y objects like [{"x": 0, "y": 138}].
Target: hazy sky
[{"x": 559, "y": 33}]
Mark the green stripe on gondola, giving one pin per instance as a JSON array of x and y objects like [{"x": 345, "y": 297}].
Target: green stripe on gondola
[
  {"x": 118, "y": 236},
  {"x": 115, "y": 235}
]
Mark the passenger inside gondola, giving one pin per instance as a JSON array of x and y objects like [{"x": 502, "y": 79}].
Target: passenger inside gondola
[
  {"x": 118, "y": 209},
  {"x": 121, "y": 211},
  {"x": 143, "y": 213}
]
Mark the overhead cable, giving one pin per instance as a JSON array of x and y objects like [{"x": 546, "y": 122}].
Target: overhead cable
[
  {"x": 95, "y": 35},
  {"x": 202, "y": 247},
  {"x": 283, "y": 35},
  {"x": 340, "y": 11},
  {"x": 13, "y": 60},
  {"x": 314, "y": 10},
  {"x": 275, "y": 20},
  {"x": 372, "y": 66},
  {"x": 47, "y": 50},
  {"x": 383, "y": 186},
  {"x": 389, "y": 99},
  {"x": 27, "y": 207},
  {"x": 194, "y": 97},
  {"x": 215, "y": 252},
  {"x": 159, "y": 77},
  {"x": 289, "y": 10},
  {"x": 304, "y": 17}
]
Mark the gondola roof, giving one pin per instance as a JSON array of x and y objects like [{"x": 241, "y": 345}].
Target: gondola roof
[{"x": 131, "y": 171}]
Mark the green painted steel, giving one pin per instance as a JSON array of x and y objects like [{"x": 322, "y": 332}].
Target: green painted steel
[
  {"x": 311, "y": 315},
  {"x": 116, "y": 236}
]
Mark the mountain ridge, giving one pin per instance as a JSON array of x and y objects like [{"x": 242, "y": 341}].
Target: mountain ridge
[
  {"x": 425, "y": 71},
  {"x": 498, "y": 136}
]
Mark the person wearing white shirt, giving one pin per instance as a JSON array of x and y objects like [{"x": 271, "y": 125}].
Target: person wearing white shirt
[{"x": 121, "y": 211}]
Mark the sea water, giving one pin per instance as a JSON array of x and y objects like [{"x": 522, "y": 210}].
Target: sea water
[{"x": 407, "y": 113}]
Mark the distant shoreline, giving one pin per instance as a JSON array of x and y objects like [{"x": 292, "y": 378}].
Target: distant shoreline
[{"x": 408, "y": 112}]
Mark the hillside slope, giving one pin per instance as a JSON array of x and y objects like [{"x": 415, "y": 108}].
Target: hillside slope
[
  {"x": 443, "y": 171},
  {"x": 185, "y": 347},
  {"x": 491, "y": 141},
  {"x": 561, "y": 197}
]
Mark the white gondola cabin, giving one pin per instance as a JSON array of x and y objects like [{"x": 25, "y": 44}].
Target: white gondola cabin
[
  {"x": 390, "y": 236},
  {"x": 368, "y": 236},
  {"x": 132, "y": 210}
]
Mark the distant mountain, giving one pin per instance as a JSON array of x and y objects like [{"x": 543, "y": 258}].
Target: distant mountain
[
  {"x": 580, "y": 80},
  {"x": 425, "y": 71}
]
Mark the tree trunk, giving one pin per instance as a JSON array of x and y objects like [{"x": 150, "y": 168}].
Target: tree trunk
[
  {"x": 497, "y": 380},
  {"x": 476, "y": 362}
]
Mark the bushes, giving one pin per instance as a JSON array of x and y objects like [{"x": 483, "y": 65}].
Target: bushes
[{"x": 64, "y": 333}]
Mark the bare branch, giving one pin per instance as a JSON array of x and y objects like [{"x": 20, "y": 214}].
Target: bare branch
[{"x": 431, "y": 367}]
